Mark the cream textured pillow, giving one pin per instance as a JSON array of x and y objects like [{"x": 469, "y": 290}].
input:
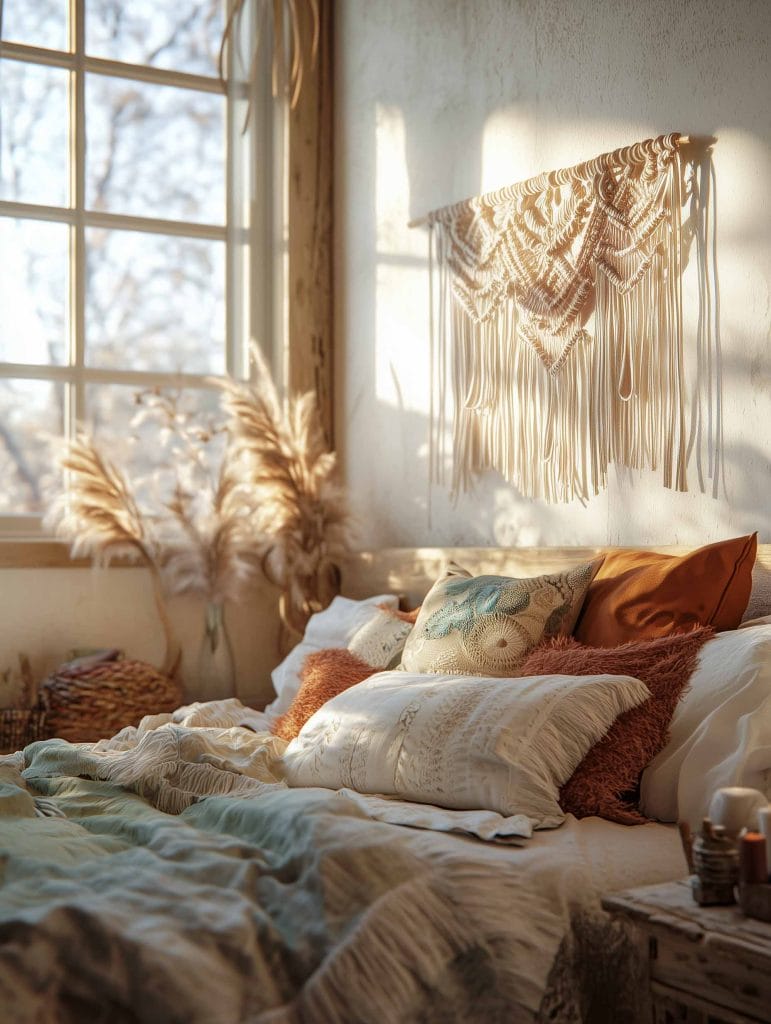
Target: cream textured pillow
[
  {"x": 503, "y": 745},
  {"x": 487, "y": 625},
  {"x": 380, "y": 641}
]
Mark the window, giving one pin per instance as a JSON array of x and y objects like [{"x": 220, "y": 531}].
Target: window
[{"x": 127, "y": 220}]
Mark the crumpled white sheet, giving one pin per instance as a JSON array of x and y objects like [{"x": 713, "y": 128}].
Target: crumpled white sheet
[{"x": 224, "y": 748}]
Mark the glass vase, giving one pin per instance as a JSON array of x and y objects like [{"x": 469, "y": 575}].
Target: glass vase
[{"x": 215, "y": 668}]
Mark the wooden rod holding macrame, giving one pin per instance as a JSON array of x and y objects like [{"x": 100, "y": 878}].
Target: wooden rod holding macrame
[{"x": 587, "y": 169}]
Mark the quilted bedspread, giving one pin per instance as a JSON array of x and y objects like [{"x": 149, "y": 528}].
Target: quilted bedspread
[{"x": 256, "y": 903}]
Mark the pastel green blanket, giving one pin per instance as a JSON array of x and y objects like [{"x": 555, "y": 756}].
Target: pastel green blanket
[{"x": 257, "y": 903}]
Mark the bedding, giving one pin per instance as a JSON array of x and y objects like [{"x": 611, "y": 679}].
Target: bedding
[
  {"x": 485, "y": 625},
  {"x": 467, "y": 742},
  {"x": 606, "y": 780},
  {"x": 324, "y": 675},
  {"x": 170, "y": 873},
  {"x": 266, "y": 904},
  {"x": 335, "y": 626},
  {"x": 640, "y": 594},
  {"x": 377, "y": 644},
  {"x": 720, "y": 734}
]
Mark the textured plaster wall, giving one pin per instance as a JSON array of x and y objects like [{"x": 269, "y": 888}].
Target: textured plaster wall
[
  {"x": 441, "y": 99},
  {"x": 48, "y": 612}
]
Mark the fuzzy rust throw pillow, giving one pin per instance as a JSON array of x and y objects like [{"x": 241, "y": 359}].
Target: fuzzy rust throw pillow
[
  {"x": 324, "y": 674},
  {"x": 610, "y": 771}
]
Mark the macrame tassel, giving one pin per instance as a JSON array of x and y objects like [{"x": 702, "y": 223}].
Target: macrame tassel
[{"x": 560, "y": 349}]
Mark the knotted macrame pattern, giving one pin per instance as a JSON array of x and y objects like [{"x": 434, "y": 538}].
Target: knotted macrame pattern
[{"x": 557, "y": 327}]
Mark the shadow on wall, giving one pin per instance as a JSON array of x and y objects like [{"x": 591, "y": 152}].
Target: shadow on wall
[{"x": 430, "y": 117}]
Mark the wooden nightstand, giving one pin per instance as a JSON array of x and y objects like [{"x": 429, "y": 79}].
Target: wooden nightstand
[{"x": 706, "y": 965}]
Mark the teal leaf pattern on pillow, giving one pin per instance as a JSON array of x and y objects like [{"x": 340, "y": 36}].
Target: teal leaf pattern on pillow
[{"x": 479, "y": 595}]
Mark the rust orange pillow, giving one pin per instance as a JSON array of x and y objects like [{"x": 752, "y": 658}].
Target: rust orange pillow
[
  {"x": 610, "y": 771},
  {"x": 323, "y": 675},
  {"x": 640, "y": 595}
]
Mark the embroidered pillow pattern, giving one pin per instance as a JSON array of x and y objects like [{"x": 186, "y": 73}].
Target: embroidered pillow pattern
[{"x": 487, "y": 625}]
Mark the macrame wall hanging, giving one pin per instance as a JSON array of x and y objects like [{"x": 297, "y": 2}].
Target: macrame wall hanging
[{"x": 557, "y": 328}]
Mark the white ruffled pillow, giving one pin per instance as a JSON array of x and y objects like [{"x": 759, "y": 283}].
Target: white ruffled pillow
[
  {"x": 721, "y": 730},
  {"x": 336, "y": 626},
  {"x": 463, "y": 742}
]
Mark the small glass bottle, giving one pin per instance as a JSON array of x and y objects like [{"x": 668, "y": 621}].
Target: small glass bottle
[{"x": 716, "y": 861}]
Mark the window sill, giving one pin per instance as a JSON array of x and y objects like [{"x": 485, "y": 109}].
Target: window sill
[{"x": 46, "y": 554}]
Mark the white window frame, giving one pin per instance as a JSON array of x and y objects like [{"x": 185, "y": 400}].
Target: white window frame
[{"x": 253, "y": 224}]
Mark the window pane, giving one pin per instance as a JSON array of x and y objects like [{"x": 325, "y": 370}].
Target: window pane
[
  {"x": 33, "y": 133},
  {"x": 30, "y": 412},
  {"x": 33, "y": 291},
  {"x": 36, "y": 23},
  {"x": 132, "y": 426},
  {"x": 154, "y": 150},
  {"x": 164, "y": 33},
  {"x": 155, "y": 302}
]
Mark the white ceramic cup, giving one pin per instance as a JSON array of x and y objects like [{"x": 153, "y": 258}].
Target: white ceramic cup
[{"x": 735, "y": 808}]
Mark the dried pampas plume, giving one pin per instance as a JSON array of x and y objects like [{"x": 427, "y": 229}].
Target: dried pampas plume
[
  {"x": 299, "y": 510},
  {"x": 207, "y": 536},
  {"x": 98, "y": 511},
  {"x": 98, "y": 514},
  {"x": 218, "y": 556}
]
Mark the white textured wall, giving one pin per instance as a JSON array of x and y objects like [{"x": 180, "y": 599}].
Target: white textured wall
[
  {"x": 441, "y": 99},
  {"x": 45, "y": 613}
]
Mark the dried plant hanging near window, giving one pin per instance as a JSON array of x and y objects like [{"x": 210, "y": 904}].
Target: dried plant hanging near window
[
  {"x": 285, "y": 23},
  {"x": 557, "y": 328}
]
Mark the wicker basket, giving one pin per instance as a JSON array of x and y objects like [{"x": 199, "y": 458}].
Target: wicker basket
[
  {"x": 89, "y": 700},
  {"x": 20, "y": 726}
]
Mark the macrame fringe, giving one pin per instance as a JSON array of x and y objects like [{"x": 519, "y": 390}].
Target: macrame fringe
[{"x": 553, "y": 409}]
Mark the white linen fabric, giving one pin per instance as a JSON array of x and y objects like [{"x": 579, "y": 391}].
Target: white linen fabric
[
  {"x": 221, "y": 748},
  {"x": 336, "y": 626},
  {"x": 380, "y": 641},
  {"x": 464, "y": 742},
  {"x": 721, "y": 730}
]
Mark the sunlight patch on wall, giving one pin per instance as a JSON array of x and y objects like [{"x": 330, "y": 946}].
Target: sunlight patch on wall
[
  {"x": 392, "y": 187},
  {"x": 508, "y": 145},
  {"x": 742, "y": 169},
  {"x": 517, "y": 146},
  {"x": 401, "y": 324}
]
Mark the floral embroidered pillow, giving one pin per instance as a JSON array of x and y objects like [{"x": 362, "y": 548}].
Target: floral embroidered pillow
[{"x": 487, "y": 625}]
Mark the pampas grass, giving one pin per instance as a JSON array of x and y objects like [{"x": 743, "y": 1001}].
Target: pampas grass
[
  {"x": 199, "y": 539},
  {"x": 274, "y": 506},
  {"x": 205, "y": 526},
  {"x": 298, "y": 508},
  {"x": 98, "y": 513}
]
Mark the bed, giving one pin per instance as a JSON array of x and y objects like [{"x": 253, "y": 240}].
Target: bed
[{"x": 170, "y": 874}]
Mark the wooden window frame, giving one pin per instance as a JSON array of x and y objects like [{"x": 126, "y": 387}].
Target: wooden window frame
[{"x": 288, "y": 310}]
